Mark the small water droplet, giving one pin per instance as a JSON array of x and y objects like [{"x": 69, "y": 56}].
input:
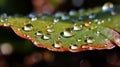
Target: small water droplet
[
  {"x": 28, "y": 27},
  {"x": 49, "y": 26},
  {"x": 56, "y": 20},
  {"x": 76, "y": 27},
  {"x": 92, "y": 16},
  {"x": 39, "y": 33},
  {"x": 6, "y": 24},
  {"x": 57, "y": 44},
  {"x": 65, "y": 17},
  {"x": 89, "y": 40},
  {"x": 80, "y": 18},
  {"x": 33, "y": 18},
  {"x": 50, "y": 30},
  {"x": 4, "y": 15},
  {"x": 72, "y": 12},
  {"x": 79, "y": 40},
  {"x": 97, "y": 33},
  {"x": 46, "y": 37},
  {"x": 73, "y": 46},
  {"x": 59, "y": 14},
  {"x": 4, "y": 20},
  {"x": 87, "y": 23},
  {"x": 109, "y": 19}
]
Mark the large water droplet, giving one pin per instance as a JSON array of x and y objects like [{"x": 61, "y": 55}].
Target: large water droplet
[
  {"x": 67, "y": 33},
  {"x": 108, "y": 7},
  {"x": 28, "y": 27}
]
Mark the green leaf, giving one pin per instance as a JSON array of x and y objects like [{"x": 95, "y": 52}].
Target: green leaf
[{"x": 101, "y": 32}]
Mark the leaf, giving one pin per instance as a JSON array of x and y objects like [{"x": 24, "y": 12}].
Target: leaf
[{"x": 93, "y": 33}]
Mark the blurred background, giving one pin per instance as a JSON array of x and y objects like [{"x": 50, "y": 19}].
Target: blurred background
[{"x": 18, "y": 52}]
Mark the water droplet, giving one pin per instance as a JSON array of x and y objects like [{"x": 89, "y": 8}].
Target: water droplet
[
  {"x": 88, "y": 23},
  {"x": 65, "y": 17},
  {"x": 109, "y": 19},
  {"x": 79, "y": 40},
  {"x": 6, "y": 24},
  {"x": 108, "y": 7},
  {"x": 72, "y": 13},
  {"x": 67, "y": 33},
  {"x": 39, "y": 33},
  {"x": 57, "y": 44},
  {"x": 49, "y": 26},
  {"x": 59, "y": 14},
  {"x": 4, "y": 15},
  {"x": 4, "y": 20},
  {"x": 97, "y": 33},
  {"x": 73, "y": 46},
  {"x": 76, "y": 27},
  {"x": 56, "y": 20},
  {"x": 33, "y": 18},
  {"x": 28, "y": 27},
  {"x": 46, "y": 37},
  {"x": 80, "y": 18},
  {"x": 89, "y": 40},
  {"x": 92, "y": 16},
  {"x": 96, "y": 20},
  {"x": 50, "y": 30},
  {"x": 113, "y": 13}
]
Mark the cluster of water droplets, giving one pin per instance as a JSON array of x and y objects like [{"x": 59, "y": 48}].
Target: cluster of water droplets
[{"x": 67, "y": 32}]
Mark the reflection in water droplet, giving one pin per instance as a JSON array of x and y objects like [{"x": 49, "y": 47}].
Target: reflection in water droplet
[{"x": 28, "y": 27}]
